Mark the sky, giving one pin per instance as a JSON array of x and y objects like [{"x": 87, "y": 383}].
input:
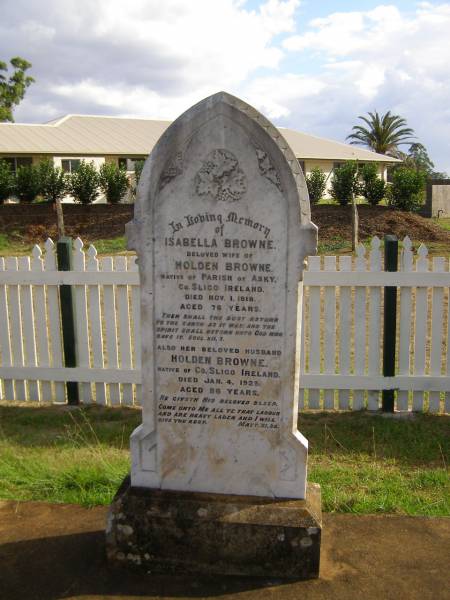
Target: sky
[{"x": 311, "y": 65}]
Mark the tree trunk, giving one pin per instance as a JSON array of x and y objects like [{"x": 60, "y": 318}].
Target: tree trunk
[
  {"x": 59, "y": 218},
  {"x": 355, "y": 224}
]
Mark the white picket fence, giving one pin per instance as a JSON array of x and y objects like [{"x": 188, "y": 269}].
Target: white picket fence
[
  {"x": 342, "y": 325},
  {"x": 106, "y": 302},
  {"x": 343, "y": 328}
]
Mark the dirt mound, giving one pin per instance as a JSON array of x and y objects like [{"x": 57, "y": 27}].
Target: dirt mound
[
  {"x": 36, "y": 222},
  {"x": 335, "y": 222}
]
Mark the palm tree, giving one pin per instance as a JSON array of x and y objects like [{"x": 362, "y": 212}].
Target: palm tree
[{"x": 383, "y": 134}]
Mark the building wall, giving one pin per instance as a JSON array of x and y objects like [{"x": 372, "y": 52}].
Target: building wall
[
  {"x": 438, "y": 198},
  {"x": 327, "y": 167}
]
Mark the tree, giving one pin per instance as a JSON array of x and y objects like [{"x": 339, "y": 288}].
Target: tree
[
  {"x": 406, "y": 191},
  {"x": 83, "y": 183},
  {"x": 382, "y": 134},
  {"x": 372, "y": 187},
  {"x": 419, "y": 160},
  {"x": 344, "y": 183},
  {"x": 6, "y": 181},
  {"x": 54, "y": 184},
  {"x": 27, "y": 184},
  {"x": 13, "y": 88},
  {"x": 114, "y": 182},
  {"x": 344, "y": 188},
  {"x": 316, "y": 182}
]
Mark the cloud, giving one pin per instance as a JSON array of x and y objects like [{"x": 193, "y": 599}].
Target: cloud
[
  {"x": 155, "y": 59},
  {"x": 104, "y": 53},
  {"x": 379, "y": 59}
]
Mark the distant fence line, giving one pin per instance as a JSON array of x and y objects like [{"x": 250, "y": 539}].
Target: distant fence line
[{"x": 342, "y": 310}]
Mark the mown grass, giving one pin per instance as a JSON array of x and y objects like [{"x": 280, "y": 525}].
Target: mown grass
[
  {"x": 365, "y": 464},
  {"x": 14, "y": 245},
  {"x": 112, "y": 246},
  {"x": 443, "y": 222}
]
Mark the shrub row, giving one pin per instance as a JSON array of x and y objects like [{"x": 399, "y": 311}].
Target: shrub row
[
  {"x": 51, "y": 183},
  {"x": 405, "y": 192}
]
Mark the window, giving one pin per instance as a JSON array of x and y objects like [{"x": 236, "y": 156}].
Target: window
[
  {"x": 17, "y": 161},
  {"x": 129, "y": 163},
  {"x": 69, "y": 165},
  {"x": 302, "y": 164},
  {"x": 338, "y": 165}
]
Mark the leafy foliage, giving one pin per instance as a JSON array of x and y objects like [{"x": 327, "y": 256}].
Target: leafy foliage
[
  {"x": 382, "y": 134},
  {"x": 6, "y": 181},
  {"x": 344, "y": 183},
  {"x": 316, "y": 182},
  {"x": 114, "y": 182},
  {"x": 372, "y": 187},
  {"x": 28, "y": 183},
  {"x": 84, "y": 183},
  {"x": 54, "y": 181},
  {"x": 407, "y": 189},
  {"x": 418, "y": 159},
  {"x": 12, "y": 89}
]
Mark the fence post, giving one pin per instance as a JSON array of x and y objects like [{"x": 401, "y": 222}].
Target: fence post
[
  {"x": 390, "y": 320},
  {"x": 64, "y": 256}
]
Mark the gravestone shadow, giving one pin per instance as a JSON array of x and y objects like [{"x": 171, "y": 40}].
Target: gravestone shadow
[{"x": 75, "y": 565}]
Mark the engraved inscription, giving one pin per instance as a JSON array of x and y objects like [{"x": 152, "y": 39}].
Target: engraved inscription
[
  {"x": 220, "y": 347},
  {"x": 221, "y": 177}
]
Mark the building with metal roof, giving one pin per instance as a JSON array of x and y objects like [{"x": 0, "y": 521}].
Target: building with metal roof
[{"x": 122, "y": 140}]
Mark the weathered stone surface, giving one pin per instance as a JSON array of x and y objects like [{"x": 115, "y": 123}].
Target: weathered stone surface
[
  {"x": 221, "y": 227},
  {"x": 187, "y": 532}
]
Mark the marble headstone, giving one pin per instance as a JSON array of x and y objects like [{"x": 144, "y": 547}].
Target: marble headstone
[{"x": 221, "y": 228}]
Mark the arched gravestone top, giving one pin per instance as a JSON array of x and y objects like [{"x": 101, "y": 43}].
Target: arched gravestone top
[{"x": 221, "y": 227}]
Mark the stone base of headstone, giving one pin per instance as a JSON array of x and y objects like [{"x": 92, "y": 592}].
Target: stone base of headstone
[{"x": 162, "y": 531}]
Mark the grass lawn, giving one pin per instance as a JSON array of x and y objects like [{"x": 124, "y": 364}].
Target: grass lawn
[
  {"x": 16, "y": 245},
  {"x": 365, "y": 464}
]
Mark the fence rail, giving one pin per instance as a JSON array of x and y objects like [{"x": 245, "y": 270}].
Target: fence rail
[{"x": 342, "y": 329}]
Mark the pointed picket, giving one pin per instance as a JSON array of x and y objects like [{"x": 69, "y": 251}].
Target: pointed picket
[
  {"x": 374, "y": 357},
  {"x": 54, "y": 328},
  {"x": 124, "y": 330},
  {"x": 95, "y": 321},
  {"x": 5, "y": 338},
  {"x": 420, "y": 336},
  {"x": 40, "y": 323},
  {"x": 437, "y": 317},
  {"x": 136, "y": 318},
  {"x": 405, "y": 320},
  {"x": 81, "y": 320},
  {"x": 314, "y": 332},
  {"x": 109, "y": 315},
  {"x": 359, "y": 325},
  {"x": 345, "y": 324},
  {"x": 329, "y": 321},
  {"x": 28, "y": 329},
  {"x": 16, "y": 331}
]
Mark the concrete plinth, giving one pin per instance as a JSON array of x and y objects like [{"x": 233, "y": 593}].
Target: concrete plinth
[{"x": 160, "y": 531}]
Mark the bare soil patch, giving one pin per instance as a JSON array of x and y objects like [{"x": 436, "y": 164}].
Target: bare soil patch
[
  {"x": 335, "y": 222},
  {"x": 34, "y": 223},
  {"x": 55, "y": 551}
]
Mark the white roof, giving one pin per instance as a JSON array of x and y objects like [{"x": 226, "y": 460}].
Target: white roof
[{"x": 85, "y": 135}]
